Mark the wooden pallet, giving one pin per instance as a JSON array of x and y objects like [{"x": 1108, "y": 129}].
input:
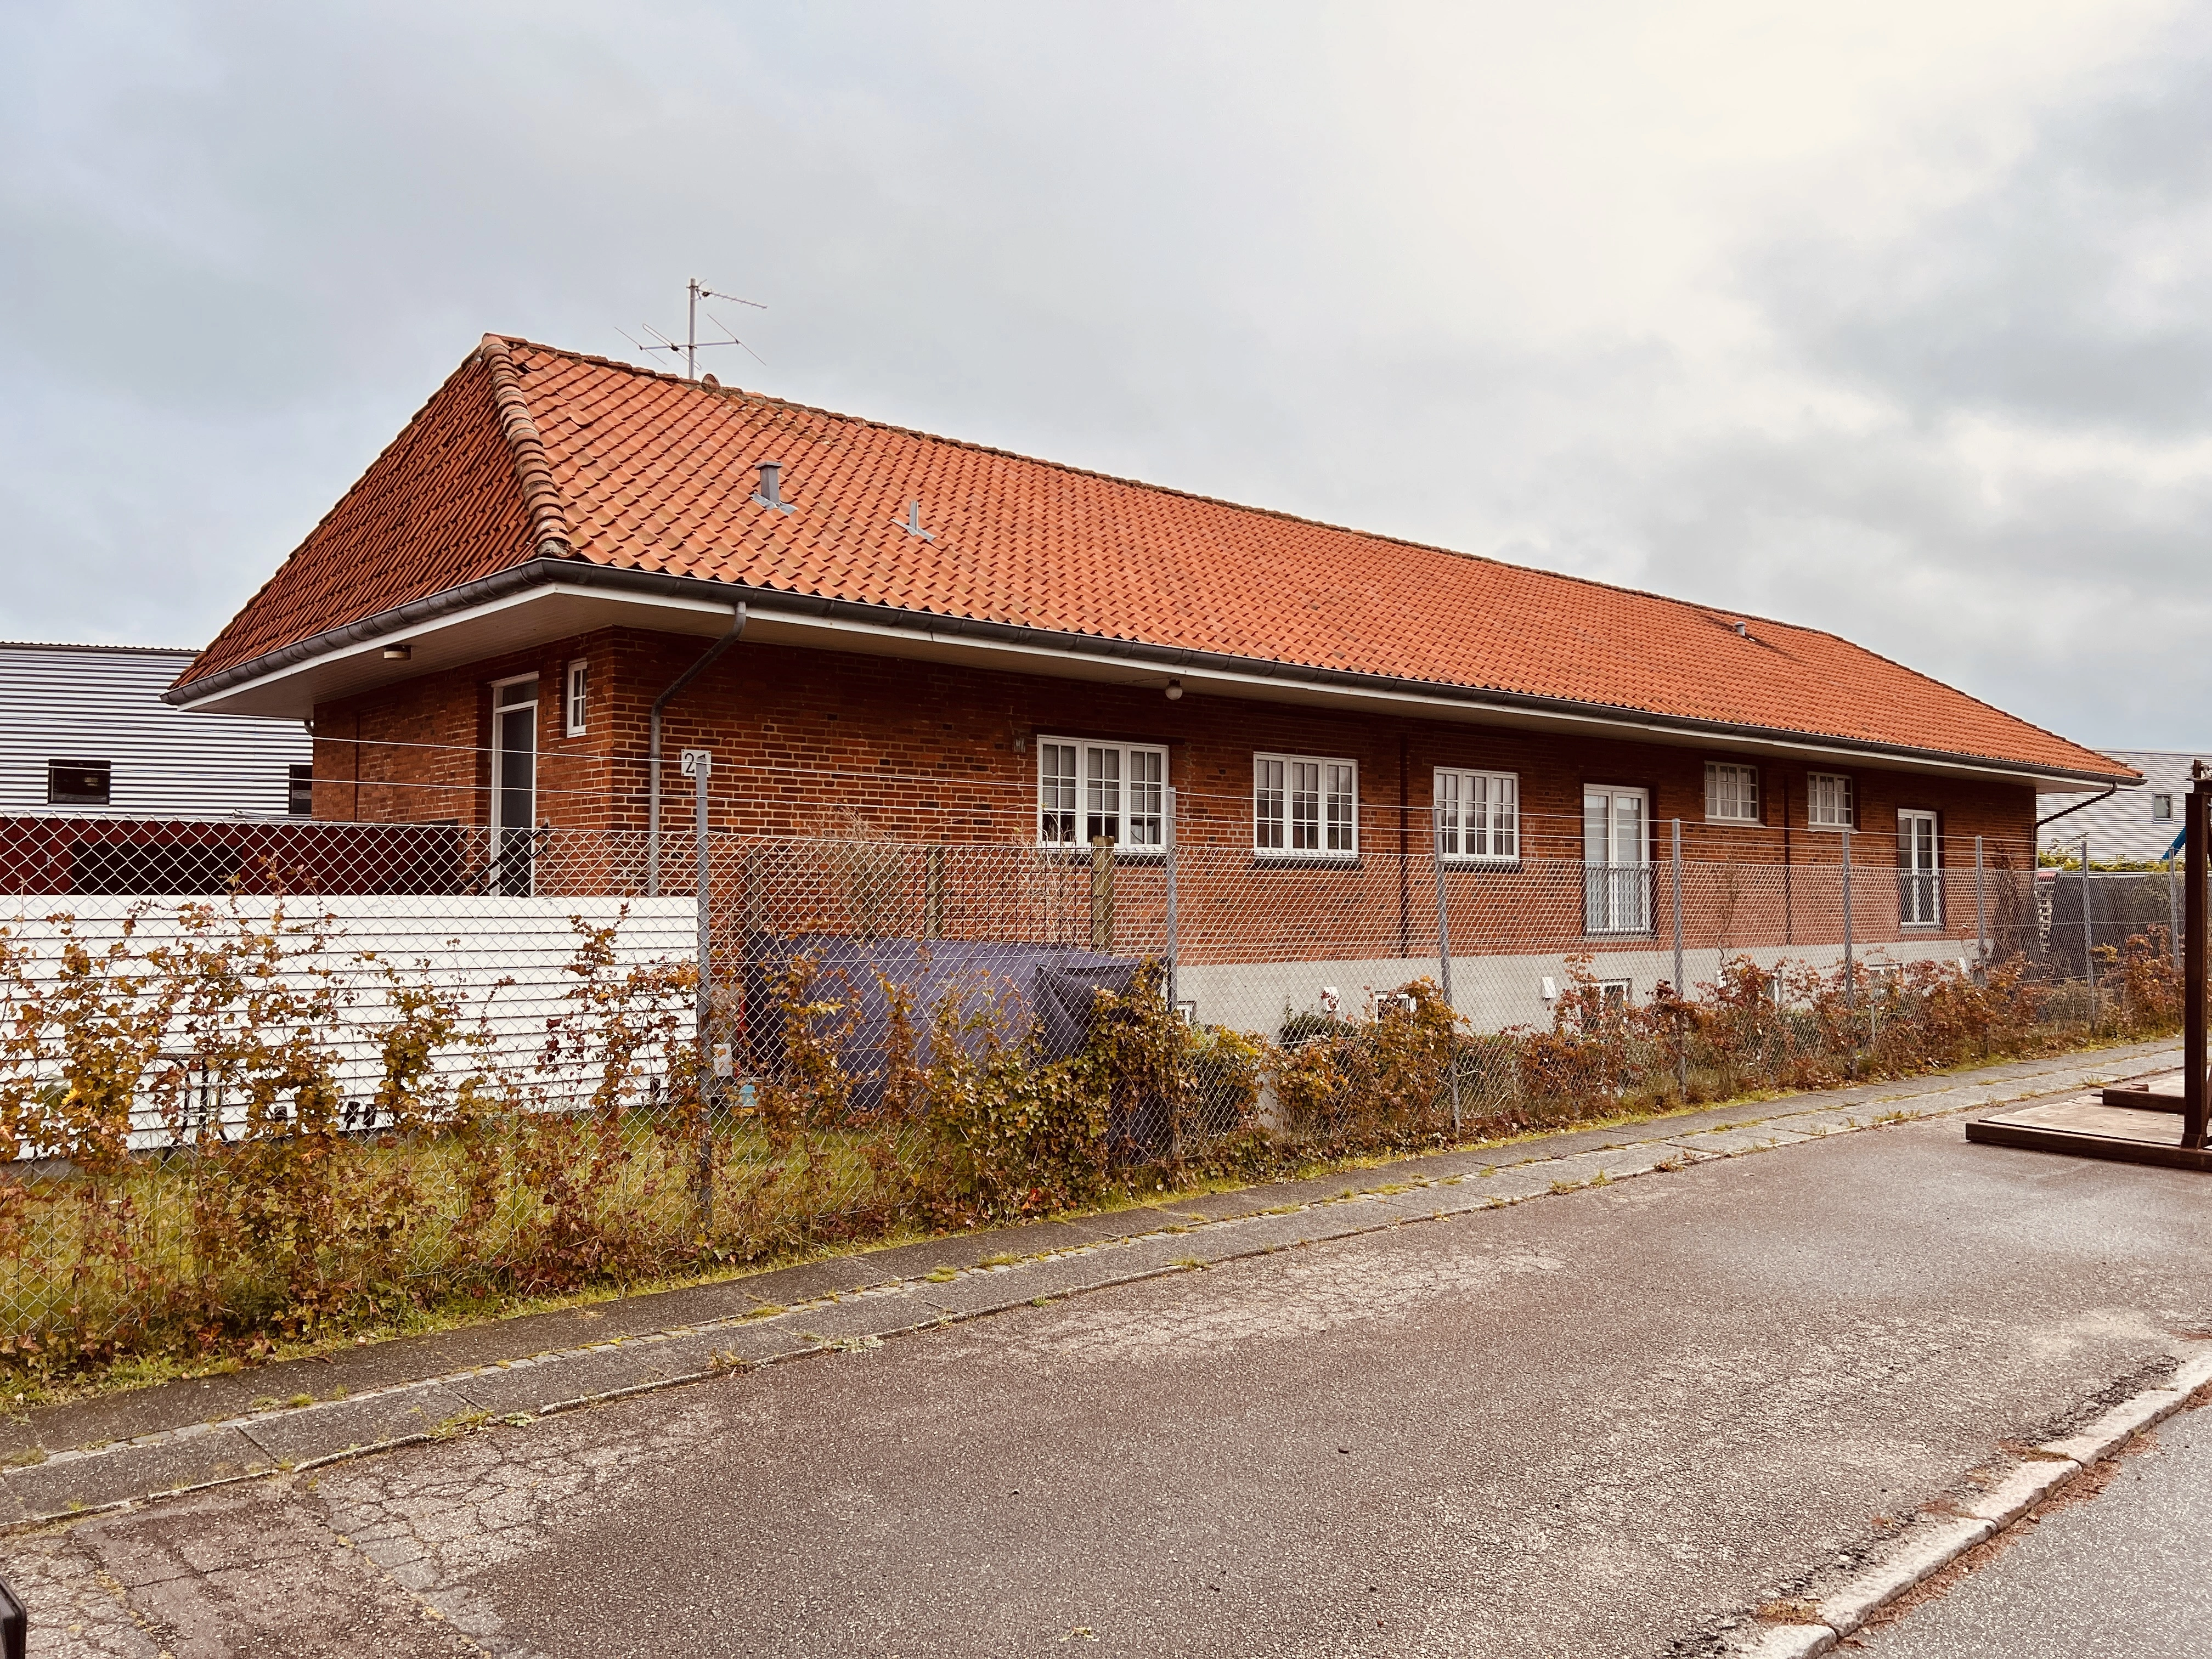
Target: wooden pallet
[{"x": 2099, "y": 1127}]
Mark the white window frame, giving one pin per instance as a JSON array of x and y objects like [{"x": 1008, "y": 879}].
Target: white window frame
[
  {"x": 1132, "y": 801},
  {"x": 1335, "y": 830},
  {"x": 1850, "y": 820},
  {"x": 1920, "y": 889},
  {"x": 105, "y": 768},
  {"x": 511, "y": 844},
  {"x": 575, "y": 696},
  {"x": 1746, "y": 794},
  {"x": 2161, "y": 808},
  {"x": 1617, "y": 897},
  {"x": 1477, "y": 816}
]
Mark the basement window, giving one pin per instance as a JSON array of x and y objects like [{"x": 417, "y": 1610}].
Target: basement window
[
  {"x": 1305, "y": 806},
  {"x": 1731, "y": 793},
  {"x": 78, "y": 782},
  {"x": 1088, "y": 791}
]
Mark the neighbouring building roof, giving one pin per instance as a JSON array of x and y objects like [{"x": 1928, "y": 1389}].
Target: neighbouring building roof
[
  {"x": 2135, "y": 823},
  {"x": 574, "y": 465}
]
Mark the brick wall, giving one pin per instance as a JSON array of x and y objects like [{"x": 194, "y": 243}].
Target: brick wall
[{"x": 812, "y": 742}]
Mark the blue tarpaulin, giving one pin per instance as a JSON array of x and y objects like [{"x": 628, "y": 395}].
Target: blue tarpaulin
[{"x": 1048, "y": 989}]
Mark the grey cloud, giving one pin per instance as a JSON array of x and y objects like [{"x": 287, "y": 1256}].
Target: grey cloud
[
  {"x": 2072, "y": 291},
  {"x": 245, "y": 245}
]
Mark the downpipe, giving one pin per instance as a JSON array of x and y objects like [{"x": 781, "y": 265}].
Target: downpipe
[{"x": 652, "y": 747}]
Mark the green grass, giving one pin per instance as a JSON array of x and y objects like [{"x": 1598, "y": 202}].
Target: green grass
[{"x": 774, "y": 1204}]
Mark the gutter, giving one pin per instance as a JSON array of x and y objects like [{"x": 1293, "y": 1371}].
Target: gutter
[
  {"x": 544, "y": 571},
  {"x": 519, "y": 579},
  {"x": 2065, "y": 811}
]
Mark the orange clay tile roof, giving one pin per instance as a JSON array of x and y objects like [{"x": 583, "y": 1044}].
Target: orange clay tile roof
[{"x": 527, "y": 450}]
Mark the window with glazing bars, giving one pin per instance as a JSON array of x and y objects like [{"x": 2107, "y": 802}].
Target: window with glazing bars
[
  {"x": 1115, "y": 790},
  {"x": 1477, "y": 816},
  {"x": 1828, "y": 801},
  {"x": 1305, "y": 806},
  {"x": 1919, "y": 871},
  {"x": 1731, "y": 793},
  {"x": 579, "y": 681}
]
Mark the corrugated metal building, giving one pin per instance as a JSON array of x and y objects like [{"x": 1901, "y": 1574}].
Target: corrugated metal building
[
  {"x": 2135, "y": 823},
  {"x": 83, "y": 731}
]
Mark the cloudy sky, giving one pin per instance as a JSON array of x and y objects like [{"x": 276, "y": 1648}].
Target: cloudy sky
[{"x": 1893, "y": 318}]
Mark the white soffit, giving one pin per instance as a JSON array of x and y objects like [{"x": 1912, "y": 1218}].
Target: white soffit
[
  {"x": 542, "y": 616},
  {"x": 517, "y": 623}
]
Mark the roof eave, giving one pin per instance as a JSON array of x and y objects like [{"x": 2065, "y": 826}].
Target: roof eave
[{"x": 856, "y": 617}]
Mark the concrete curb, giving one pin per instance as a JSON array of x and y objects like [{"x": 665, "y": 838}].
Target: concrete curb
[
  {"x": 248, "y": 1446},
  {"x": 1937, "y": 1541}
]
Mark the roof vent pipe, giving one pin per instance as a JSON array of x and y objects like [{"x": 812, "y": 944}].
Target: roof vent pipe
[{"x": 770, "y": 493}]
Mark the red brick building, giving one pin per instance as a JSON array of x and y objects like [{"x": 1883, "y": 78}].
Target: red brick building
[{"x": 946, "y": 642}]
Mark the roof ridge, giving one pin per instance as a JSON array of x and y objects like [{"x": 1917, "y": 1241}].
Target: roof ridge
[
  {"x": 84, "y": 645},
  {"x": 718, "y": 389},
  {"x": 541, "y": 497}
]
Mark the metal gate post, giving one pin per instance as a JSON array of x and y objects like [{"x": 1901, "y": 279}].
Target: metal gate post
[
  {"x": 699, "y": 765},
  {"x": 2192, "y": 973},
  {"x": 1682, "y": 992},
  {"x": 1443, "y": 960},
  {"x": 1981, "y": 912}
]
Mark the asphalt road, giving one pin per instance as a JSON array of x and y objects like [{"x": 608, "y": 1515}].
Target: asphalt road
[
  {"x": 2124, "y": 1575},
  {"x": 1599, "y": 1422}
]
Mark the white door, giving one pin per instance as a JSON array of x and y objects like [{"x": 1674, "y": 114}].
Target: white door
[
  {"x": 1919, "y": 871},
  {"x": 1616, "y": 860},
  {"x": 513, "y": 786}
]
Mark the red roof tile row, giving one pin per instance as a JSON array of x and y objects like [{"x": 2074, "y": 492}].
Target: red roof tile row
[{"x": 526, "y": 447}]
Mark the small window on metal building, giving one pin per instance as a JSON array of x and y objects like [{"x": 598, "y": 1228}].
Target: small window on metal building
[
  {"x": 78, "y": 782},
  {"x": 299, "y": 802},
  {"x": 2161, "y": 808}
]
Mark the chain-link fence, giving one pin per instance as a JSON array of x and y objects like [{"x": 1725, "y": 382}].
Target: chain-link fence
[{"x": 258, "y": 1077}]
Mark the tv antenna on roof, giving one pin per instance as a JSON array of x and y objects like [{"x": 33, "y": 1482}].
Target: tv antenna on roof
[{"x": 692, "y": 343}]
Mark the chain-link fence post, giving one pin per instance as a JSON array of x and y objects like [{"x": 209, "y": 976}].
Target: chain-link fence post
[
  {"x": 1851, "y": 989},
  {"x": 2172, "y": 910},
  {"x": 1101, "y": 894},
  {"x": 1444, "y": 961},
  {"x": 2089, "y": 935},
  {"x": 1168, "y": 855},
  {"x": 1981, "y": 912},
  {"x": 698, "y": 766},
  {"x": 1682, "y": 1041}
]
